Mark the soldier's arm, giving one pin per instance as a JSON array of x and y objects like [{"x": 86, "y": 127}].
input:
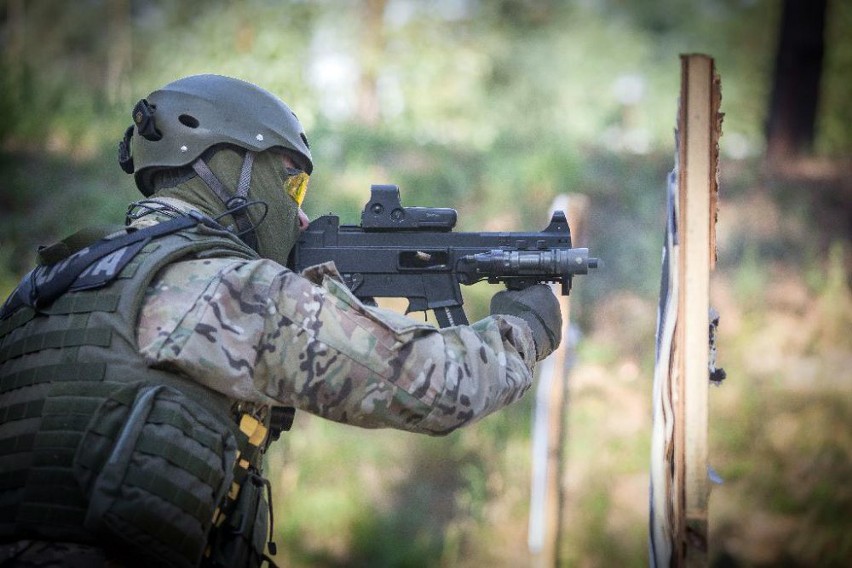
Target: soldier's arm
[{"x": 258, "y": 332}]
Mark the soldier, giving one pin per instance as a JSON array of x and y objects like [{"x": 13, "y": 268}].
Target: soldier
[{"x": 144, "y": 370}]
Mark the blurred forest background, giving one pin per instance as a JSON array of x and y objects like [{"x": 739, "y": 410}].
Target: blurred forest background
[{"x": 494, "y": 108}]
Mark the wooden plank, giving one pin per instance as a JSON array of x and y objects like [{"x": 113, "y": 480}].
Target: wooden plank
[
  {"x": 699, "y": 169},
  {"x": 679, "y": 480},
  {"x": 550, "y": 422}
]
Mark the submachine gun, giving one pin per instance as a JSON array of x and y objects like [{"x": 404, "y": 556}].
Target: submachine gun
[{"x": 413, "y": 253}]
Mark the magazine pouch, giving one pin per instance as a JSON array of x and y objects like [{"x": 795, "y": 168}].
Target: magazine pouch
[{"x": 155, "y": 465}]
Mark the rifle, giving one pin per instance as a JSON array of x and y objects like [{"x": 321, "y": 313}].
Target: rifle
[{"x": 411, "y": 252}]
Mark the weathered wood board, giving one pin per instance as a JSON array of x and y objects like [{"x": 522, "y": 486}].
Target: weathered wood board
[{"x": 679, "y": 460}]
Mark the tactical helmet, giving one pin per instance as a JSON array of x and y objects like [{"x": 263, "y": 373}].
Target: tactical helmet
[{"x": 176, "y": 124}]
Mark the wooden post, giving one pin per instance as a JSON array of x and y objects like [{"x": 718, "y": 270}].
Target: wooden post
[
  {"x": 679, "y": 479},
  {"x": 550, "y": 420}
]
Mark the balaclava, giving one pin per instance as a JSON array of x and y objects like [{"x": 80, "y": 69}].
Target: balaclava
[{"x": 275, "y": 224}]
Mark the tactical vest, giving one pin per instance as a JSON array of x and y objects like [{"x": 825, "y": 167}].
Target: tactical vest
[{"x": 97, "y": 447}]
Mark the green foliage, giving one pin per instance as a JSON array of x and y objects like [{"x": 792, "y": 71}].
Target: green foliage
[
  {"x": 390, "y": 499},
  {"x": 804, "y": 488},
  {"x": 45, "y": 198}
]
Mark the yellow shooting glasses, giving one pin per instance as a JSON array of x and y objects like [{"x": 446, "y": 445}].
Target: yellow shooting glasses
[{"x": 296, "y": 185}]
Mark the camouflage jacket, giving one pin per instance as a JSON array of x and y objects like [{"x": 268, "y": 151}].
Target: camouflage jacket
[{"x": 255, "y": 331}]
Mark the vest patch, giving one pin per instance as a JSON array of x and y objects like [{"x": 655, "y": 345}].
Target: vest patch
[
  {"x": 91, "y": 267},
  {"x": 105, "y": 270}
]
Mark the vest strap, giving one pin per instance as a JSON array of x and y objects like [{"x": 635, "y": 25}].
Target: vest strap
[
  {"x": 74, "y": 337},
  {"x": 72, "y": 372},
  {"x": 160, "y": 485},
  {"x": 19, "y": 318},
  {"x": 84, "y": 303}
]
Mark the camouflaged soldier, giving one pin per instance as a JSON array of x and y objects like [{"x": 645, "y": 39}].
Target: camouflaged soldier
[{"x": 143, "y": 371}]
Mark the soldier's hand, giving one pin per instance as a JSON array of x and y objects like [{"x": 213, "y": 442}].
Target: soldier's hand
[{"x": 538, "y": 306}]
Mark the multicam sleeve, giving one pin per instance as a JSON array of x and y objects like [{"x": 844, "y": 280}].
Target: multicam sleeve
[
  {"x": 260, "y": 332},
  {"x": 375, "y": 368}
]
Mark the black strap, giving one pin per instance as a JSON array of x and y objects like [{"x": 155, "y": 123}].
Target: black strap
[
  {"x": 280, "y": 420},
  {"x": 46, "y": 283},
  {"x": 125, "y": 159},
  {"x": 234, "y": 204},
  {"x": 213, "y": 182}
]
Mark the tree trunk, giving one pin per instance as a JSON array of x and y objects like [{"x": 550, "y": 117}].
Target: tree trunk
[
  {"x": 796, "y": 80},
  {"x": 372, "y": 49},
  {"x": 120, "y": 33},
  {"x": 14, "y": 60}
]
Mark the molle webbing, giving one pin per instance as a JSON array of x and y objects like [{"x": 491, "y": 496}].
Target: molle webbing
[
  {"x": 60, "y": 364},
  {"x": 242, "y": 528},
  {"x": 154, "y": 465},
  {"x": 52, "y": 398}
]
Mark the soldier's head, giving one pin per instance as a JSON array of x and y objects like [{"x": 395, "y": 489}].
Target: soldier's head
[{"x": 223, "y": 145}]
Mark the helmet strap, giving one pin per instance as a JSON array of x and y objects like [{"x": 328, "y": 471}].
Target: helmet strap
[{"x": 235, "y": 203}]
